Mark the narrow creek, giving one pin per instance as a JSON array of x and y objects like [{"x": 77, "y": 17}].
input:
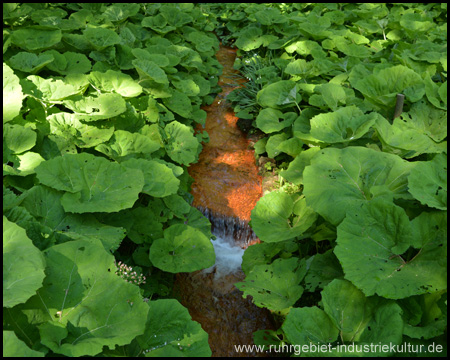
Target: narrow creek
[{"x": 226, "y": 189}]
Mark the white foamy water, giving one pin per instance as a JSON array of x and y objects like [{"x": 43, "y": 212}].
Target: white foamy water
[{"x": 228, "y": 257}]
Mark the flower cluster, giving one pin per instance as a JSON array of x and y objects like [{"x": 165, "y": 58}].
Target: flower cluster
[{"x": 127, "y": 273}]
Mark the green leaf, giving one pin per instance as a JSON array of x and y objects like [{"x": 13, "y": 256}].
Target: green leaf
[
  {"x": 182, "y": 146},
  {"x": 270, "y": 219},
  {"x": 428, "y": 182},
  {"x": 29, "y": 62},
  {"x": 103, "y": 106},
  {"x": 323, "y": 269},
  {"x": 277, "y": 94},
  {"x": 179, "y": 103},
  {"x": 13, "y": 347},
  {"x": 346, "y": 124},
  {"x": 80, "y": 134},
  {"x": 170, "y": 332},
  {"x": 48, "y": 90},
  {"x": 148, "y": 69},
  {"x": 183, "y": 249},
  {"x": 342, "y": 179},
  {"x": 309, "y": 325},
  {"x": 370, "y": 245},
  {"x": 294, "y": 172},
  {"x": 36, "y": 37},
  {"x": 268, "y": 120},
  {"x": 407, "y": 138},
  {"x": 159, "y": 179},
  {"x": 23, "y": 265},
  {"x": 381, "y": 88},
  {"x": 272, "y": 146},
  {"x": 115, "y": 82},
  {"x": 84, "y": 304},
  {"x": 249, "y": 39},
  {"x": 100, "y": 38},
  {"x": 125, "y": 144},
  {"x": 92, "y": 184},
  {"x": 18, "y": 138},
  {"x": 12, "y": 94},
  {"x": 347, "y": 307},
  {"x": 68, "y": 63},
  {"x": 271, "y": 288}
]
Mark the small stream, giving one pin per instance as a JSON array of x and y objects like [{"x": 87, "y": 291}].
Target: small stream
[{"x": 226, "y": 189}]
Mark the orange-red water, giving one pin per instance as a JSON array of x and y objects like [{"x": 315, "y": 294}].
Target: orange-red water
[{"x": 228, "y": 184}]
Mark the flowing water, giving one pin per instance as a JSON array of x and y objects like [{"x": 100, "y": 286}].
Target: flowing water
[{"x": 226, "y": 189}]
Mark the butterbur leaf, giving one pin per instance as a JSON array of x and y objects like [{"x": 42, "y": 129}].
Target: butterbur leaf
[
  {"x": 183, "y": 249},
  {"x": 92, "y": 184},
  {"x": 370, "y": 246},
  {"x": 381, "y": 88},
  {"x": 114, "y": 81},
  {"x": 36, "y": 37},
  {"x": 18, "y": 138},
  {"x": 159, "y": 178},
  {"x": 428, "y": 182},
  {"x": 345, "y": 124},
  {"x": 268, "y": 120},
  {"x": 179, "y": 103},
  {"x": 148, "y": 69},
  {"x": 103, "y": 106},
  {"x": 305, "y": 325},
  {"x": 182, "y": 146},
  {"x": 14, "y": 347},
  {"x": 270, "y": 219},
  {"x": 170, "y": 331},
  {"x": 29, "y": 62},
  {"x": 342, "y": 179},
  {"x": 124, "y": 144},
  {"x": 277, "y": 94},
  {"x": 81, "y": 281},
  {"x": 68, "y": 62},
  {"x": 100, "y": 38},
  {"x": 12, "y": 94},
  {"x": 271, "y": 288},
  {"x": 23, "y": 265}
]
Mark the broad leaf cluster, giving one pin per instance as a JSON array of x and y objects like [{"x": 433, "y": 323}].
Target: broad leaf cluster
[
  {"x": 358, "y": 252},
  {"x": 100, "y": 105}
]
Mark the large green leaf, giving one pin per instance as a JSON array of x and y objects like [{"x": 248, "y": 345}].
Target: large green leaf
[
  {"x": 271, "y": 217},
  {"x": 159, "y": 179},
  {"x": 342, "y": 179},
  {"x": 14, "y": 347},
  {"x": 405, "y": 139},
  {"x": 428, "y": 182},
  {"x": 68, "y": 62},
  {"x": 343, "y": 125},
  {"x": 268, "y": 120},
  {"x": 18, "y": 138},
  {"x": 114, "y": 81},
  {"x": 29, "y": 62},
  {"x": 100, "y": 38},
  {"x": 170, "y": 332},
  {"x": 68, "y": 126},
  {"x": 179, "y": 103},
  {"x": 23, "y": 265},
  {"x": 371, "y": 242},
  {"x": 278, "y": 94},
  {"x": 84, "y": 305},
  {"x": 36, "y": 37},
  {"x": 12, "y": 94},
  {"x": 306, "y": 325},
  {"x": 271, "y": 288},
  {"x": 382, "y": 87},
  {"x": 182, "y": 146},
  {"x": 92, "y": 184},
  {"x": 104, "y": 106},
  {"x": 183, "y": 249},
  {"x": 124, "y": 144}
]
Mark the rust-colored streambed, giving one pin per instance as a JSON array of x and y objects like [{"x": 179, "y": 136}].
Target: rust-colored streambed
[{"x": 226, "y": 188}]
